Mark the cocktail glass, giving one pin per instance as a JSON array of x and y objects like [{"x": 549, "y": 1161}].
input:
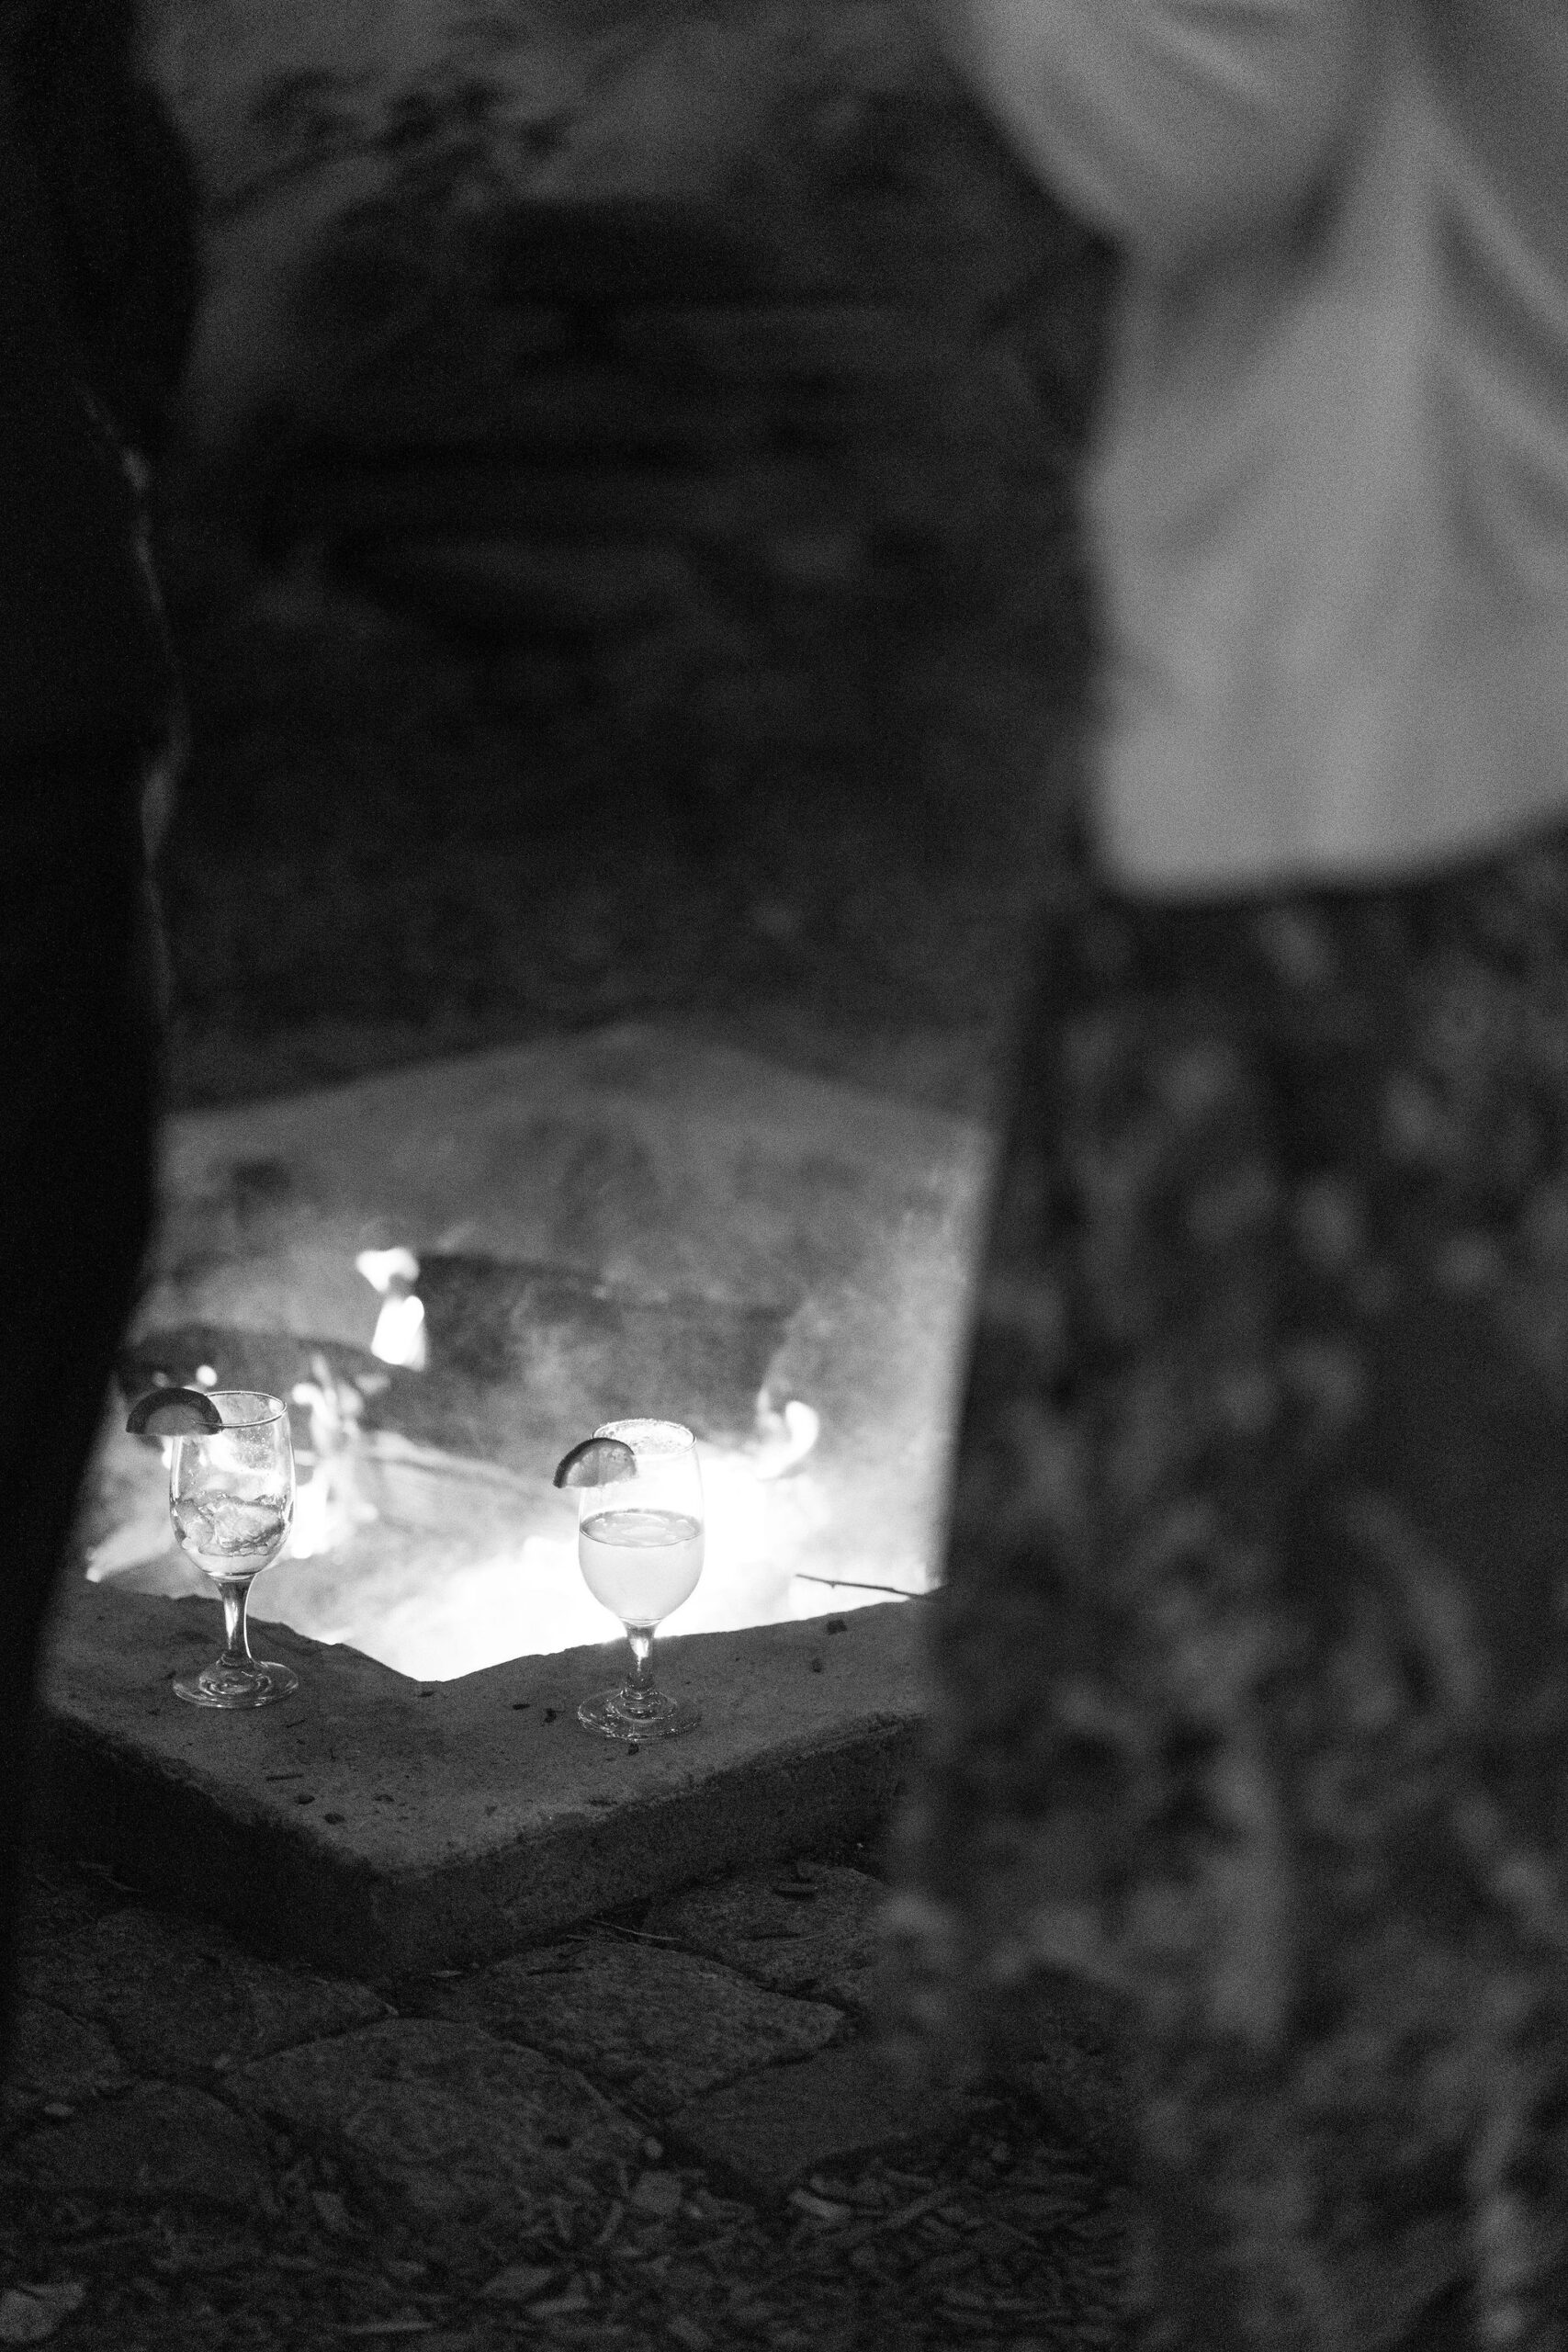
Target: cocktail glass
[
  {"x": 640, "y": 1545},
  {"x": 231, "y": 1500}
]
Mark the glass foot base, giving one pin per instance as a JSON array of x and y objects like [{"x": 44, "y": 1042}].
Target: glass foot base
[
  {"x": 608, "y": 1714},
  {"x": 226, "y": 1686}
]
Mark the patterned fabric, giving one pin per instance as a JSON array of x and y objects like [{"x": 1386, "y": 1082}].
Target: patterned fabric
[{"x": 1248, "y": 1681}]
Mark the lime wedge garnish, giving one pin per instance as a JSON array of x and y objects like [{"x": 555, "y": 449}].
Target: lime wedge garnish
[
  {"x": 597, "y": 1461},
  {"x": 173, "y": 1412}
]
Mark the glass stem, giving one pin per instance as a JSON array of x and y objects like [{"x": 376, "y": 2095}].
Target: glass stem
[
  {"x": 236, "y": 1643},
  {"x": 636, "y": 1692}
]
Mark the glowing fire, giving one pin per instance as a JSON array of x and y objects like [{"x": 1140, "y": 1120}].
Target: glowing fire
[
  {"x": 783, "y": 1439},
  {"x": 457, "y": 1577},
  {"x": 329, "y": 1503},
  {"x": 400, "y": 1327}
]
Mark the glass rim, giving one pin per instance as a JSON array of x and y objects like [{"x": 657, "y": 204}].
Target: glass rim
[
  {"x": 279, "y": 1412},
  {"x": 677, "y": 1438}
]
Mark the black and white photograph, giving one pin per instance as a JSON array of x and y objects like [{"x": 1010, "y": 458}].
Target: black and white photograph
[{"x": 783, "y": 1161}]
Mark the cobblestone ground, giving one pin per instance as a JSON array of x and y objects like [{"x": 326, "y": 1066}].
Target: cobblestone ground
[{"x": 661, "y": 2131}]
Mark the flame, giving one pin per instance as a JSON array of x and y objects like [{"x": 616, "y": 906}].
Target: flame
[
  {"x": 381, "y": 1268},
  {"x": 527, "y": 1598},
  {"x": 329, "y": 1503},
  {"x": 503, "y": 1579},
  {"x": 783, "y": 1439},
  {"x": 400, "y": 1333},
  {"x": 508, "y": 1584},
  {"x": 400, "y": 1327}
]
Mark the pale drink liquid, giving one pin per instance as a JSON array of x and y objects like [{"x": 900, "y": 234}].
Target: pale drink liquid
[
  {"x": 232, "y": 1537},
  {"x": 641, "y": 1564}
]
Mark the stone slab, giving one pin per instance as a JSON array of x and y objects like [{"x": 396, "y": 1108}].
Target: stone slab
[
  {"x": 54, "y": 2055},
  {"x": 176, "y": 1997},
  {"x": 382, "y": 1827},
  {"x": 449, "y": 2126},
  {"x": 772, "y": 2128},
  {"x": 610, "y": 250},
  {"x": 496, "y": 586},
  {"x": 504, "y": 494},
  {"x": 575, "y": 413},
  {"x": 657, "y": 2026},
  {"x": 810, "y": 1930},
  {"x": 743, "y": 341},
  {"x": 162, "y": 2141}
]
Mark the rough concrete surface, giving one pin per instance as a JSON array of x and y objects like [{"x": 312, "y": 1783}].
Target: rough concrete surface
[
  {"x": 216, "y": 2006},
  {"x": 380, "y": 1823},
  {"x": 163, "y": 2140},
  {"x": 772, "y": 2127},
  {"x": 658, "y": 2028},
  {"x": 454, "y": 2126},
  {"x": 57, "y": 2056},
  {"x": 429, "y": 2177},
  {"x": 808, "y": 1930}
]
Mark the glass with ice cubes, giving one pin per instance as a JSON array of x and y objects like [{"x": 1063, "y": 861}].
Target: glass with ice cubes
[{"x": 231, "y": 1500}]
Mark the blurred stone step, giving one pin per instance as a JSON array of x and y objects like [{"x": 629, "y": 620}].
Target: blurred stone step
[
  {"x": 494, "y": 588},
  {"x": 454, "y": 356},
  {"x": 506, "y": 493},
  {"x": 616, "y": 249},
  {"x": 372, "y": 282},
  {"x": 588, "y": 411},
  {"x": 824, "y": 565},
  {"x": 817, "y": 705},
  {"x": 966, "y": 406},
  {"x": 748, "y": 343}
]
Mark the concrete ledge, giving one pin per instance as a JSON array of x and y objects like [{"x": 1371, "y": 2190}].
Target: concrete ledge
[{"x": 378, "y": 1825}]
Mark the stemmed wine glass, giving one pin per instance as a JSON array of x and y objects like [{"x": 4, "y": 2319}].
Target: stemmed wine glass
[
  {"x": 640, "y": 1545},
  {"x": 231, "y": 1500}
]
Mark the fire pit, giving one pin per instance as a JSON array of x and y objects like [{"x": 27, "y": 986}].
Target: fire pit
[
  {"x": 629, "y": 1220},
  {"x": 623, "y": 1224}
]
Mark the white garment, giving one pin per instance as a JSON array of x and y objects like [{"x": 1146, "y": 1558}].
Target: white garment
[{"x": 1327, "y": 492}]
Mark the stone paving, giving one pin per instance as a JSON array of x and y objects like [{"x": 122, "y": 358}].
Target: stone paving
[{"x": 677, "y": 2129}]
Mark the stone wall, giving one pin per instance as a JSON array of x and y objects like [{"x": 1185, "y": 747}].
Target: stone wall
[{"x": 730, "y": 357}]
